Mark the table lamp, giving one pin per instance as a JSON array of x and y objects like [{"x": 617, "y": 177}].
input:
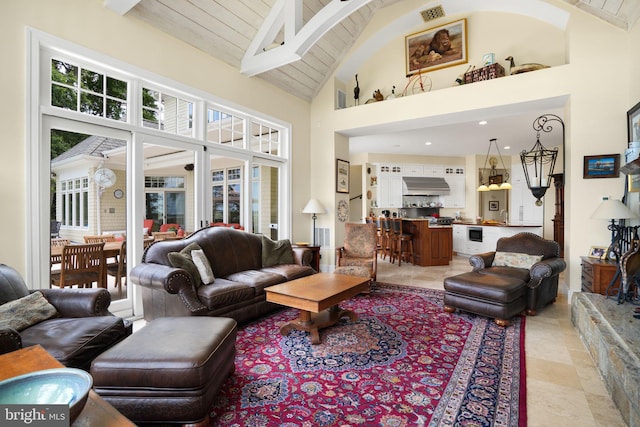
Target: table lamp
[
  {"x": 611, "y": 210},
  {"x": 314, "y": 207}
]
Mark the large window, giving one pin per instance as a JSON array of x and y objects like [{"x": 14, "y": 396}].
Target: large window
[
  {"x": 226, "y": 192},
  {"x": 165, "y": 199},
  {"x": 75, "y": 202},
  {"x": 166, "y": 112}
]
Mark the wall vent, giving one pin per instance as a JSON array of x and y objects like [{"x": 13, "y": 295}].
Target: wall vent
[
  {"x": 323, "y": 237},
  {"x": 432, "y": 13}
]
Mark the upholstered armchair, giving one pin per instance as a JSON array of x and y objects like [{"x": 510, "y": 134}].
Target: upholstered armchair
[
  {"x": 530, "y": 258},
  {"x": 359, "y": 254},
  {"x": 73, "y": 325}
]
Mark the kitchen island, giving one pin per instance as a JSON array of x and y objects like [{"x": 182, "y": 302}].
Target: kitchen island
[
  {"x": 471, "y": 238},
  {"x": 432, "y": 244}
]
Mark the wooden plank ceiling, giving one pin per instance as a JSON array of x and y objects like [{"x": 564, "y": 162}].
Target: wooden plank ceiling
[{"x": 226, "y": 28}]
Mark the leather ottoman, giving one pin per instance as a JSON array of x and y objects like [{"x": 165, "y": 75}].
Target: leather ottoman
[
  {"x": 498, "y": 297},
  {"x": 168, "y": 371}
]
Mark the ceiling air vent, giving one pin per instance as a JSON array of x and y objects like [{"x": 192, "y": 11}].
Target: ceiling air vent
[{"x": 432, "y": 13}]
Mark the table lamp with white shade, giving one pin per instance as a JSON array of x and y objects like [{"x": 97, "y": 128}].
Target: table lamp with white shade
[
  {"x": 612, "y": 210},
  {"x": 314, "y": 207}
]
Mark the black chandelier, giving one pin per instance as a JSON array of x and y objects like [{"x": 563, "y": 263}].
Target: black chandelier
[{"x": 538, "y": 163}]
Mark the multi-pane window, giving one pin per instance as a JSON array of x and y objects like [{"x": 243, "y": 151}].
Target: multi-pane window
[
  {"x": 87, "y": 91},
  {"x": 265, "y": 139},
  {"x": 227, "y": 195},
  {"x": 165, "y": 199},
  {"x": 74, "y": 194},
  {"x": 167, "y": 113},
  {"x": 225, "y": 128}
]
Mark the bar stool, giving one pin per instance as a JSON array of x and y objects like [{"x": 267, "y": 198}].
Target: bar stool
[
  {"x": 386, "y": 239},
  {"x": 403, "y": 242}
]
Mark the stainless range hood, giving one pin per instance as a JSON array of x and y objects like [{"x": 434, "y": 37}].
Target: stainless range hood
[{"x": 424, "y": 186}]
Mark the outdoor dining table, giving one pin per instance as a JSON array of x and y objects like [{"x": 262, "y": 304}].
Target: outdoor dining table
[{"x": 110, "y": 250}]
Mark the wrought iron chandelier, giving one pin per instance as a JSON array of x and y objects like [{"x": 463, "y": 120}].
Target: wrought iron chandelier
[
  {"x": 538, "y": 163},
  {"x": 493, "y": 173}
]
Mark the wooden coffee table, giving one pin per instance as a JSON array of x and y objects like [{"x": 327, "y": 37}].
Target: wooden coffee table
[
  {"x": 96, "y": 413},
  {"x": 319, "y": 294}
]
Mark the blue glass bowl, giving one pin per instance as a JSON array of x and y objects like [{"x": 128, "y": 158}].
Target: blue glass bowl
[{"x": 51, "y": 386}]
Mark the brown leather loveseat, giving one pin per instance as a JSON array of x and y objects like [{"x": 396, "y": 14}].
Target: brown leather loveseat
[
  {"x": 73, "y": 325},
  {"x": 239, "y": 270}
]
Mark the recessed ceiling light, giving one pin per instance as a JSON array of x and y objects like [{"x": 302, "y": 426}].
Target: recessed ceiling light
[
  {"x": 427, "y": 143},
  {"x": 482, "y": 122},
  {"x": 507, "y": 147}
]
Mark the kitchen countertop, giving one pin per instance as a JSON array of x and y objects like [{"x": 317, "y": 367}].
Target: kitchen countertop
[{"x": 498, "y": 224}]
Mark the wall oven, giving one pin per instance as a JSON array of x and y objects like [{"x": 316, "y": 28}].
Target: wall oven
[{"x": 475, "y": 234}]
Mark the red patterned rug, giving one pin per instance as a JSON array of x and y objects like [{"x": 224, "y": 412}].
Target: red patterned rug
[{"x": 405, "y": 362}]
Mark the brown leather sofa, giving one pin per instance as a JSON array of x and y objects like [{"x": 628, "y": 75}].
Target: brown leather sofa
[
  {"x": 81, "y": 329},
  {"x": 240, "y": 278}
]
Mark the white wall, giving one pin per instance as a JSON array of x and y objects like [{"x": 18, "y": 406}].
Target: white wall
[
  {"x": 595, "y": 78},
  {"x": 88, "y": 23}
]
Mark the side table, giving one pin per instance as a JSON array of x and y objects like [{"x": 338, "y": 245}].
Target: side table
[
  {"x": 96, "y": 413},
  {"x": 315, "y": 260},
  {"x": 597, "y": 274}
]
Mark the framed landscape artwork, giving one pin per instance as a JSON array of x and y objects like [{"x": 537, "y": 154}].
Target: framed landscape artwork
[
  {"x": 603, "y": 166},
  {"x": 494, "y": 205},
  {"x": 342, "y": 176},
  {"x": 436, "y": 48}
]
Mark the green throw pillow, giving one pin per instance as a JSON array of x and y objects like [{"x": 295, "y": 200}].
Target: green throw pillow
[
  {"x": 276, "y": 253},
  {"x": 27, "y": 311},
  {"x": 515, "y": 259},
  {"x": 184, "y": 260}
]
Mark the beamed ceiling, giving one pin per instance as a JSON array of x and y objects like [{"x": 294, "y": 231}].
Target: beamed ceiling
[{"x": 248, "y": 34}]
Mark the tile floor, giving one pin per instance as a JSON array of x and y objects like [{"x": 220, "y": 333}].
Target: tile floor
[{"x": 564, "y": 387}]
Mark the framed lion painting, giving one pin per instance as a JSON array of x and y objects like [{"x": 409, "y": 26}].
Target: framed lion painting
[{"x": 436, "y": 48}]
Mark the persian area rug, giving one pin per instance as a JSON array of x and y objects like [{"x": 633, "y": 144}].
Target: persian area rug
[{"x": 405, "y": 362}]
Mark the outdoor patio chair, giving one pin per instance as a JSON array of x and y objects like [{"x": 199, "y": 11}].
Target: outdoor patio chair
[
  {"x": 81, "y": 265},
  {"x": 118, "y": 269}
]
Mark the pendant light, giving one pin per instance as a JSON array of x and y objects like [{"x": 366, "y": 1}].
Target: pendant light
[
  {"x": 538, "y": 163},
  {"x": 493, "y": 162}
]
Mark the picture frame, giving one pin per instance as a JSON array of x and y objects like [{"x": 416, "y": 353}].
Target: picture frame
[
  {"x": 599, "y": 252},
  {"x": 602, "y": 166},
  {"x": 495, "y": 179},
  {"x": 633, "y": 123},
  {"x": 436, "y": 48},
  {"x": 633, "y": 183},
  {"x": 494, "y": 205},
  {"x": 342, "y": 176}
]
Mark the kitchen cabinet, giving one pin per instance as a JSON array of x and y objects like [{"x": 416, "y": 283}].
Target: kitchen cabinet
[
  {"x": 431, "y": 245},
  {"x": 433, "y": 171},
  {"x": 522, "y": 207},
  {"x": 389, "y": 190},
  {"x": 412, "y": 170},
  {"x": 459, "y": 236},
  {"x": 456, "y": 197}
]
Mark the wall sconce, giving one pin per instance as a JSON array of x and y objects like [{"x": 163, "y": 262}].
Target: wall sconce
[
  {"x": 494, "y": 182},
  {"x": 538, "y": 163}
]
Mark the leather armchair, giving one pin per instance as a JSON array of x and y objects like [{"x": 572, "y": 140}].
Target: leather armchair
[
  {"x": 82, "y": 330},
  {"x": 541, "y": 278}
]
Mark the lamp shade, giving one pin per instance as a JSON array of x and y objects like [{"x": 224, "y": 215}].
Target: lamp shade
[
  {"x": 314, "y": 207},
  {"x": 613, "y": 209}
]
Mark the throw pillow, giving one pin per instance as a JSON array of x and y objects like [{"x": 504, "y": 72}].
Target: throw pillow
[
  {"x": 515, "y": 259},
  {"x": 183, "y": 260},
  {"x": 27, "y": 311},
  {"x": 204, "y": 266},
  {"x": 276, "y": 253}
]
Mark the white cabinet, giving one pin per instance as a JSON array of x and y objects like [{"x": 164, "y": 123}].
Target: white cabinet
[
  {"x": 459, "y": 237},
  {"x": 389, "y": 190},
  {"x": 523, "y": 209},
  {"x": 413, "y": 170},
  {"x": 433, "y": 171},
  {"x": 456, "y": 197}
]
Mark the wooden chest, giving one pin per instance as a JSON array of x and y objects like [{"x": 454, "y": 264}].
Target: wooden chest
[{"x": 492, "y": 71}]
